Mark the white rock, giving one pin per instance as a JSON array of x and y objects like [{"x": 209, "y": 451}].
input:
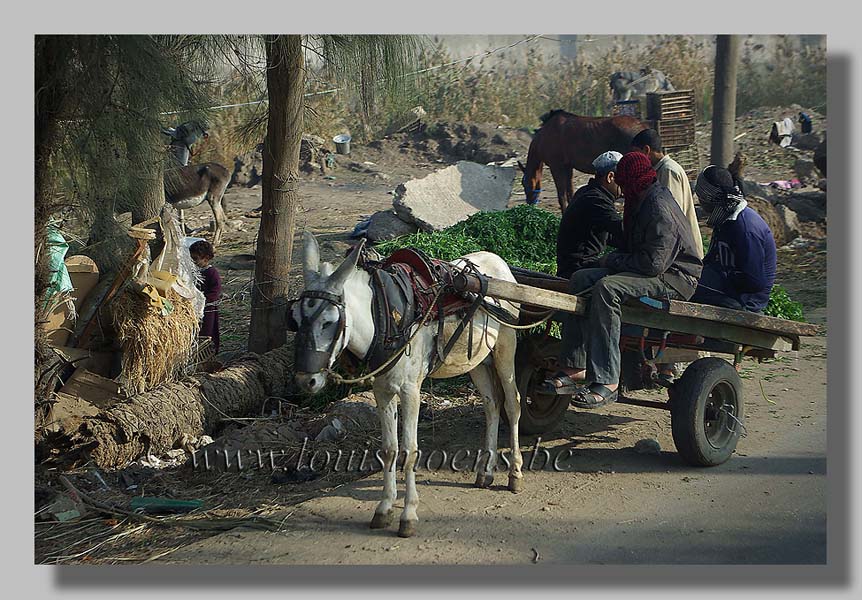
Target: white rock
[{"x": 450, "y": 195}]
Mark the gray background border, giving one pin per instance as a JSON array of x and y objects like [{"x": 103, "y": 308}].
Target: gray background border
[{"x": 839, "y": 20}]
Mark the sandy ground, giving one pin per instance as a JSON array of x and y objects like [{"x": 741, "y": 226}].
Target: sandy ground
[{"x": 610, "y": 505}]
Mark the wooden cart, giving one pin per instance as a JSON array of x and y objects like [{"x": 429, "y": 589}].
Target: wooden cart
[{"x": 707, "y": 411}]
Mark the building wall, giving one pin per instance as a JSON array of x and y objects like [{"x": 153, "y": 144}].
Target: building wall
[{"x": 570, "y": 46}]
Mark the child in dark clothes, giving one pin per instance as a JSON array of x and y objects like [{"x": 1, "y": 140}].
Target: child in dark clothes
[{"x": 202, "y": 253}]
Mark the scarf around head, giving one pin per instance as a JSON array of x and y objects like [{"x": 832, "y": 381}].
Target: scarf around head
[
  {"x": 635, "y": 174},
  {"x": 715, "y": 187}
]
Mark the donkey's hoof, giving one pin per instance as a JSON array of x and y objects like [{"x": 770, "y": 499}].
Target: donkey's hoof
[
  {"x": 516, "y": 484},
  {"x": 382, "y": 520},
  {"x": 484, "y": 480},
  {"x": 407, "y": 529}
]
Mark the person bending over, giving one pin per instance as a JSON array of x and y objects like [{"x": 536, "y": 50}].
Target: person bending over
[{"x": 739, "y": 269}]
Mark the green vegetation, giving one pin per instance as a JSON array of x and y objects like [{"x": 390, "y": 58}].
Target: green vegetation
[
  {"x": 524, "y": 236},
  {"x": 781, "y": 306}
]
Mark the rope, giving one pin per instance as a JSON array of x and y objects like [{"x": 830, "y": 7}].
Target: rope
[{"x": 518, "y": 327}]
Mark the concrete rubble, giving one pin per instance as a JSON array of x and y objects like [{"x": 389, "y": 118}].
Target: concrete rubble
[
  {"x": 450, "y": 195},
  {"x": 385, "y": 225}
]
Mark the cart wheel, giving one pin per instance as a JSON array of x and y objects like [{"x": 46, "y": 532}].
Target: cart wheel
[
  {"x": 540, "y": 413},
  {"x": 702, "y": 402}
]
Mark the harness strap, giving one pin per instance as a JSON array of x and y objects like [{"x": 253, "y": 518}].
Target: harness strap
[{"x": 467, "y": 318}]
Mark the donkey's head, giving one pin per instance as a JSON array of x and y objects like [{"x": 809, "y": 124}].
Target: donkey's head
[{"x": 319, "y": 315}]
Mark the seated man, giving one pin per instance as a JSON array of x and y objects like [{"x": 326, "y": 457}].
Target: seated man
[
  {"x": 658, "y": 259},
  {"x": 739, "y": 269},
  {"x": 672, "y": 176},
  {"x": 589, "y": 219}
]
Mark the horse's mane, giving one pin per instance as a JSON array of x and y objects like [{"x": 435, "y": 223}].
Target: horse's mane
[{"x": 552, "y": 113}]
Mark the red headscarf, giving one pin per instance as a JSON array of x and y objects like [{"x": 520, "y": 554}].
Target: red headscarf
[{"x": 635, "y": 174}]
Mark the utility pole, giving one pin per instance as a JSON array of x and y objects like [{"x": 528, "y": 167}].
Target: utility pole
[{"x": 724, "y": 99}]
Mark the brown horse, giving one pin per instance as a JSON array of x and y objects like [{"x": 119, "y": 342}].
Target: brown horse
[{"x": 566, "y": 142}]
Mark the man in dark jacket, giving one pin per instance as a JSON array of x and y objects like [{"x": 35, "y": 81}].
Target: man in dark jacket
[
  {"x": 739, "y": 269},
  {"x": 658, "y": 259},
  {"x": 590, "y": 219}
]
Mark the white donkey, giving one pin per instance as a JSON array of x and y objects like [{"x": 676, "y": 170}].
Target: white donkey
[{"x": 334, "y": 314}]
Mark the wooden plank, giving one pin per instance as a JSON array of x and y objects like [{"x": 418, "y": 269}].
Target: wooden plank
[
  {"x": 516, "y": 292},
  {"x": 648, "y": 317},
  {"x": 736, "y": 326},
  {"x": 741, "y": 317}
]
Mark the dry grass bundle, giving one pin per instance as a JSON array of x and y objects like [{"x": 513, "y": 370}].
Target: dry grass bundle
[{"x": 155, "y": 347}]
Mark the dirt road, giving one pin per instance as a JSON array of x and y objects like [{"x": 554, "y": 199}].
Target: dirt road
[{"x": 611, "y": 505}]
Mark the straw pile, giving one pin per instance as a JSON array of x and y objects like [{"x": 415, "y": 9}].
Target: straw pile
[{"x": 155, "y": 347}]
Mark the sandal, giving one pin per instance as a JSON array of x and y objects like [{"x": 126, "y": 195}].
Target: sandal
[
  {"x": 568, "y": 385},
  {"x": 585, "y": 398}
]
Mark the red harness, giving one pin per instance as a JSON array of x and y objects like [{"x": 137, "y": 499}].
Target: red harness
[{"x": 425, "y": 274}]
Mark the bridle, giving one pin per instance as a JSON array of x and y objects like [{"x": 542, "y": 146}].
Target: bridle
[{"x": 310, "y": 359}]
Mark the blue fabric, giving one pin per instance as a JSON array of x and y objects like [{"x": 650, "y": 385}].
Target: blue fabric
[{"x": 741, "y": 261}]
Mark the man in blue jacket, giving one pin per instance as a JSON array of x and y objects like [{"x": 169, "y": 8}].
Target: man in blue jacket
[{"x": 739, "y": 269}]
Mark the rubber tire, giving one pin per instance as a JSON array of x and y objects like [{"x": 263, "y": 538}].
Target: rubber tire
[
  {"x": 689, "y": 398},
  {"x": 529, "y": 371}
]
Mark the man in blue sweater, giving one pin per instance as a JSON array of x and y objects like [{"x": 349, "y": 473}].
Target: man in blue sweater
[{"x": 739, "y": 269}]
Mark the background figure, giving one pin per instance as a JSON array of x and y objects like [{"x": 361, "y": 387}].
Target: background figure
[
  {"x": 202, "y": 253},
  {"x": 805, "y": 122},
  {"x": 183, "y": 138}
]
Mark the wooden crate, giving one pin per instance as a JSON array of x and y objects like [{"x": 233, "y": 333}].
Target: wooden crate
[
  {"x": 675, "y": 132},
  {"x": 670, "y": 105},
  {"x": 631, "y": 108},
  {"x": 688, "y": 158}
]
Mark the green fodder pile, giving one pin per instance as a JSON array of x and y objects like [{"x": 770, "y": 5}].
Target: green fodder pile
[
  {"x": 155, "y": 348},
  {"x": 526, "y": 236}
]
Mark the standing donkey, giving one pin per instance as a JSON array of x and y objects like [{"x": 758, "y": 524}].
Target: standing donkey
[
  {"x": 334, "y": 315},
  {"x": 186, "y": 187}
]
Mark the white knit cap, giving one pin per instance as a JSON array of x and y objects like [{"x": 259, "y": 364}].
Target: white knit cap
[{"x": 607, "y": 161}]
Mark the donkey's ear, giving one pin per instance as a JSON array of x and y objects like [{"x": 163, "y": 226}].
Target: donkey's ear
[
  {"x": 520, "y": 166},
  {"x": 336, "y": 282},
  {"x": 310, "y": 257}
]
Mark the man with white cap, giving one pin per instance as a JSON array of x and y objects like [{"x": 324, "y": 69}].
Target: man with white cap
[{"x": 590, "y": 220}]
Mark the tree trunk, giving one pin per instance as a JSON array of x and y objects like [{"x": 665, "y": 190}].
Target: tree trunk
[
  {"x": 724, "y": 100},
  {"x": 156, "y": 421},
  {"x": 285, "y": 76},
  {"x": 51, "y": 66}
]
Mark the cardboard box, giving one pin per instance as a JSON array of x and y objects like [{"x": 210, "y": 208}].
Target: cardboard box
[{"x": 84, "y": 275}]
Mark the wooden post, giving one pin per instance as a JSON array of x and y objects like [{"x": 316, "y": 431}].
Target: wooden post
[{"x": 724, "y": 99}]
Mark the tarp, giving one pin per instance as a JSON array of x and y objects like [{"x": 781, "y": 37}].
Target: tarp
[{"x": 60, "y": 281}]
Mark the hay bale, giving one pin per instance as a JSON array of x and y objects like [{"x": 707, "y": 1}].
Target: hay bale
[{"x": 155, "y": 347}]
